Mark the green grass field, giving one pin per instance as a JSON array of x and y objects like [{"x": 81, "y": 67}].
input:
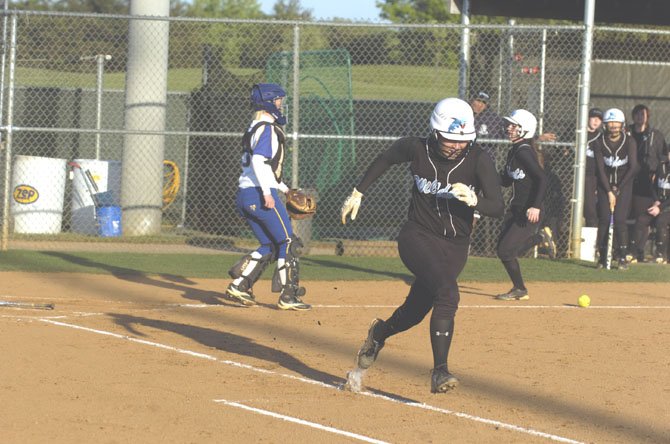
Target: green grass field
[{"x": 329, "y": 268}]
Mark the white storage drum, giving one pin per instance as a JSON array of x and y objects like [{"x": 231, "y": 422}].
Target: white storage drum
[
  {"x": 107, "y": 177},
  {"x": 38, "y": 185}
]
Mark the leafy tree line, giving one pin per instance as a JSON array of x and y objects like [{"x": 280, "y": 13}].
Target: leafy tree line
[{"x": 59, "y": 43}]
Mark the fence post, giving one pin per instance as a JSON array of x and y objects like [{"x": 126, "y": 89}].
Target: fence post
[
  {"x": 296, "y": 108},
  {"x": 464, "y": 68},
  {"x": 4, "y": 242},
  {"x": 582, "y": 135}
]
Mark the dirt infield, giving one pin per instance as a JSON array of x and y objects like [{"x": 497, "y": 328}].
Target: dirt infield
[{"x": 163, "y": 359}]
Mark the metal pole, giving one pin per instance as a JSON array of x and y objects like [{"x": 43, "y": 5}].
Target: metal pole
[
  {"x": 145, "y": 109},
  {"x": 582, "y": 134},
  {"x": 510, "y": 66},
  {"x": 501, "y": 58},
  {"x": 98, "y": 113},
  {"x": 296, "y": 106},
  {"x": 543, "y": 66},
  {"x": 2, "y": 62},
  {"x": 4, "y": 242},
  {"x": 464, "y": 67},
  {"x": 184, "y": 187}
]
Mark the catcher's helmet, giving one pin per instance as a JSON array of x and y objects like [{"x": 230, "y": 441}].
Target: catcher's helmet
[
  {"x": 525, "y": 121},
  {"x": 614, "y": 115},
  {"x": 454, "y": 120},
  {"x": 263, "y": 96}
]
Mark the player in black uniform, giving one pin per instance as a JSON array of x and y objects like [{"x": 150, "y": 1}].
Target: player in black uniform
[
  {"x": 591, "y": 178},
  {"x": 658, "y": 213},
  {"x": 449, "y": 171},
  {"x": 525, "y": 175},
  {"x": 651, "y": 149},
  {"x": 616, "y": 164}
]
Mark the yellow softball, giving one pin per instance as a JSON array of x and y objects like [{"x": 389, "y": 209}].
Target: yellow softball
[{"x": 584, "y": 301}]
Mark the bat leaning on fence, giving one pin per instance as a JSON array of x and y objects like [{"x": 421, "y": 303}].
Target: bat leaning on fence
[{"x": 27, "y": 305}]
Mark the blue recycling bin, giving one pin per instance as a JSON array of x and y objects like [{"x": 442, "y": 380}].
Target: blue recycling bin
[{"x": 109, "y": 221}]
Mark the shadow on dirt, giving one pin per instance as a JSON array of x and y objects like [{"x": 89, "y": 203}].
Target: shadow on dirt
[
  {"x": 227, "y": 342},
  {"x": 170, "y": 282}
]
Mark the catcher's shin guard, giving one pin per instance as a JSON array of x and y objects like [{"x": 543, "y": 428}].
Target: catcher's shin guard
[
  {"x": 291, "y": 267},
  {"x": 249, "y": 269}
]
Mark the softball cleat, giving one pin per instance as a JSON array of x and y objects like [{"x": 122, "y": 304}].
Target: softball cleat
[
  {"x": 289, "y": 301},
  {"x": 370, "y": 349},
  {"x": 515, "y": 294},
  {"x": 441, "y": 380},
  {"x": 245, "y": 298}
]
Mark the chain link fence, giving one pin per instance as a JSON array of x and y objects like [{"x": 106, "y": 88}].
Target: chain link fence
[{"x": 112, "y": 139}]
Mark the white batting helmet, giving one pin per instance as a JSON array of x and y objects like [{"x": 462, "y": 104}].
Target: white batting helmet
[
  {"x": 614, "y": 115},
  {"x": 454, "y": 120},
  {"x": 526, "y": 122}
]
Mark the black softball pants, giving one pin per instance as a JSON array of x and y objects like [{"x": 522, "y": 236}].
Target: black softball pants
[
  {"x": 436, "y": 263},
  {"x": 661, "y": 222},
  {"x": 590, "y": 190},
  {"x": 621, "y": 212},
  {"x": 517, "y": 236}
]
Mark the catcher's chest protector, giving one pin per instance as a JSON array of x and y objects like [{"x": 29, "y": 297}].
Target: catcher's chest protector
[{"x": 278, "y": 159}]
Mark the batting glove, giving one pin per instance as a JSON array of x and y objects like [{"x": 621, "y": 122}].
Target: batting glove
[
  {"x": 351, "y": 205},
  {"x": 464, "y": 193}
]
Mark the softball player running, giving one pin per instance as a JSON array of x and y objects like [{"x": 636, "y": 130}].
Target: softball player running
[
  {"x": 616, "y": 165},
  {"x": 448, "y": 171},
  {"x": 259, "y": 203},
  {"x": 526, "y": 176}
]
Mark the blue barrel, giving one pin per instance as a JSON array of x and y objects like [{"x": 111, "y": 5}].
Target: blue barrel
[{"x": 109, "y": 221}]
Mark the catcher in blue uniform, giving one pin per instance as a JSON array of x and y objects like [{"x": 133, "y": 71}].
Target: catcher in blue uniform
[{"x": 258, "y": 201}]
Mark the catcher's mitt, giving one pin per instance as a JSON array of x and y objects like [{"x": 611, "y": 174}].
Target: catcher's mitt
[{"x": 300, "y": 204}]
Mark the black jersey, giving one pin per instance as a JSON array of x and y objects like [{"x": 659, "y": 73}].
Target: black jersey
[
  {"x": 590, "y": 168},
  {"x": 527, "y": 178},
  {"x": 651, "y": 149},
  {"x": 432, "y": 206},
  {"x": 616, "y": 162},
  {"x": 661, "y": 189}
]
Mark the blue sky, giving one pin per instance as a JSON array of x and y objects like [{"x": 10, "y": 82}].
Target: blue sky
[{"x": 323, "y": 9}]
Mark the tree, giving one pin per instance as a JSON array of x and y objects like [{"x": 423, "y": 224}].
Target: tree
[
  {"x": 239, "y": 9},
  {"x": 291, "y": 10},
  {"x": 31, "y": 5},
  {"x": 416, "y": 11},
  {"x": 94, "y": 6}
]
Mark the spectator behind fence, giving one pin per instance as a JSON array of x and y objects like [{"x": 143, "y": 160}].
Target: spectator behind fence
[
  {"x": 591, "y": 179},
  {"x": 658, "y": 213},
  {"x": 651, "y": 147},
  {"x": 488, "y": 124}
]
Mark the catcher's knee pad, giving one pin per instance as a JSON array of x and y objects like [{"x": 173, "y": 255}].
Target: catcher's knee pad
[
  {"x": 250, "y": 269},
  {"x": 291, "y": 265}
]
